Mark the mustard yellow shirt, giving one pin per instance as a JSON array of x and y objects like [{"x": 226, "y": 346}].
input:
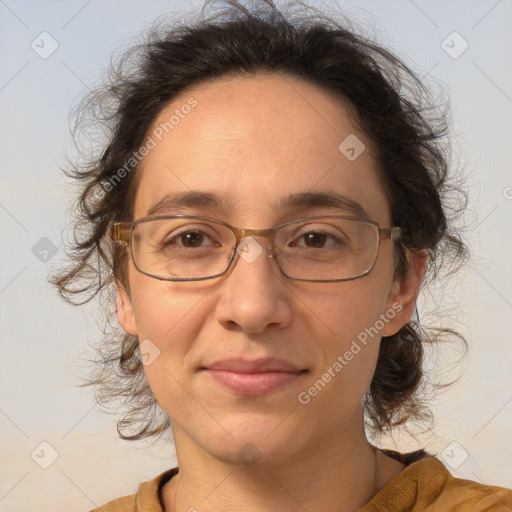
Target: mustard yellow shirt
[{"x": 425, "y": 485}]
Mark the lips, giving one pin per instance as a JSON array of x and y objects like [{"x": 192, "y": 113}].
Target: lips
[
  {"x": 254, "y": 366},
  {"x": 254, "y": 377}
]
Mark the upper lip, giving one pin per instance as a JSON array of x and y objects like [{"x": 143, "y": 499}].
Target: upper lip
[{"x": 262, "y": 365}]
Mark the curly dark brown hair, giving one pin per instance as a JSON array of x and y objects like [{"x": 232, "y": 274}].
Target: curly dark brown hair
[{"x": 393, "y": 108}]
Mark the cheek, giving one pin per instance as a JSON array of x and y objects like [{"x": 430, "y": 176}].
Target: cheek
[
  {"x": 165, "y": 310},
  {"x": 348, "y": 342},
  {"x": 167, "y": 319},
  {"x": 347, "y": 320},
  {"x": 170, "y": 318},
  {"x": 342, "y": 311},
  {"x": 355, "y": 343}
]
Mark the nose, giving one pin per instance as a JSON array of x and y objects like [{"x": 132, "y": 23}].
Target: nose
[{"x": 254, "y": 294}]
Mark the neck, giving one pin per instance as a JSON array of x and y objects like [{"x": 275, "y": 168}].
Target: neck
[{"x": 341, "y": 475}]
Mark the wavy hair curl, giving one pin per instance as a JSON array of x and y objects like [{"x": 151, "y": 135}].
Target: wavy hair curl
[{"x": 392, "y": 107}]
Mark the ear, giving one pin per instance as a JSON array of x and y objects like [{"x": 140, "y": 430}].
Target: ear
[
  {"x": 403, "y": 295},
  {"x": 125, "y": 313}
]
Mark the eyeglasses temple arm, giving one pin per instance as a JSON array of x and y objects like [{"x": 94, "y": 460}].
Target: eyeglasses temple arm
[
  {"x": 392, "y": 233},
  {"x": 120, "y": 231}
]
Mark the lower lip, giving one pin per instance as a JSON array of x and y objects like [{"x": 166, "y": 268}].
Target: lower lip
[{"x": 254, "y": 384}]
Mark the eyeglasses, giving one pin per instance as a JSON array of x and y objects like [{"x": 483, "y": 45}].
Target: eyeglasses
[{"x": 191, "y": 248}]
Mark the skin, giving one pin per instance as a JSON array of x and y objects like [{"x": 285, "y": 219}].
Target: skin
[{"x": 256, "y": 140}]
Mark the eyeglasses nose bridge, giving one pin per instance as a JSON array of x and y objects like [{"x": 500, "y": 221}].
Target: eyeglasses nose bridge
[
  {"x": 241, "y": 233},
  {"x": 268, "y": 233}
]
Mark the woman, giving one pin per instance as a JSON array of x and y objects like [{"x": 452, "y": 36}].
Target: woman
[{"x": 266, "y": 208}]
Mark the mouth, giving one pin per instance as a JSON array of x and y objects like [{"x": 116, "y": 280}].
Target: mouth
[{"x": 254, "y": 378}]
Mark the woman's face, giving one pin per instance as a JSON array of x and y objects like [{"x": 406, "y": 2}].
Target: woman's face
[{"x": 255, "y": 143}]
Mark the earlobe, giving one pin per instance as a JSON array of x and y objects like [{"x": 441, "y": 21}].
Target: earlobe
[
  {"x": 402, "y": 299},
  {"x": 125, "y": 313}
]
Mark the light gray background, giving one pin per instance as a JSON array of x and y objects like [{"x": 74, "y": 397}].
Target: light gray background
[{"x": 44, "y": 339}]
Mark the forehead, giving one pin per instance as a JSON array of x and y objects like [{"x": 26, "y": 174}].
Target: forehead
[{"x": 256, "y": 141}]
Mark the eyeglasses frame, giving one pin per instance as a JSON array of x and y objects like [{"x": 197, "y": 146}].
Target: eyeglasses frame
[{"x": 122, "y": 232}]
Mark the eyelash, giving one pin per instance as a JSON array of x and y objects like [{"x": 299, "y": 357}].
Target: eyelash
[{"x": 178, "y": 236}]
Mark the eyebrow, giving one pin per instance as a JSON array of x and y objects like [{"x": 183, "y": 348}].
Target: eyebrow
[
  {"x": 335, "y": 200},
  {"x": 297, "y": 201},
  {"x": 191, "y": 199}
]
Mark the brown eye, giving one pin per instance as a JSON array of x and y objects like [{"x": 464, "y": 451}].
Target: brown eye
[
  {"x": 191, "y": 239},
  {"x": 315, "y": 239},
  {"x": 318, "y": 240}
]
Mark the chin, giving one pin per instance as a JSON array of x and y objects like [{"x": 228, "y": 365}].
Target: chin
[{"x": 255, "y": 441}]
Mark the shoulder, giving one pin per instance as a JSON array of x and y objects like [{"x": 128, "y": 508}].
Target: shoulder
[
  {"x": 467, "y": 495},
  {"x": 147, "y": 497},
  {"x": 125, "y": 504},
  {"x": 426, "y": 485}
]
